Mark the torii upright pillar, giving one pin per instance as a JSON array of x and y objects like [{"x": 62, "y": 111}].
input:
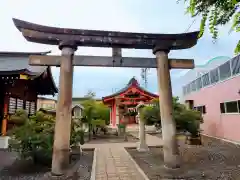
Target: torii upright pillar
[
  {"x": 170, "y": 149},
  {"x": 60, "y": 158}
]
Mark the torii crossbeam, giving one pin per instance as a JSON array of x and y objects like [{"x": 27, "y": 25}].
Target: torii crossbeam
[
  {"x": 69, "y": 39},
  {"x": 108, "y": 61}
]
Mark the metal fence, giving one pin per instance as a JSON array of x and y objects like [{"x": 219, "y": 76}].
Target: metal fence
[{"x": 228, "y": 69}]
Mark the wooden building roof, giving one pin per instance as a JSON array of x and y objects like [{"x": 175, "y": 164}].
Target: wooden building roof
[
  {"x": 16, "y": 63},
  {"x": 133, "y": 83}
]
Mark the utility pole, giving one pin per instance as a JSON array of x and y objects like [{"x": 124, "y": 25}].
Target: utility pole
[{"x": 144, "y": 72}]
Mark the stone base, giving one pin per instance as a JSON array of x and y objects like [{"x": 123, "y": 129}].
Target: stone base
[
  {"x": 4, "y": 142},
  {"x": 142, "y": 147},
  {"x": 70, "y": 173},
  {"x": 50, "y": 176},
  {"x": 193, "y": 141}
]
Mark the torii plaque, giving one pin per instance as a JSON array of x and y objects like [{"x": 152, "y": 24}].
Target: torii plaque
[{"x": 69, "y": 39}]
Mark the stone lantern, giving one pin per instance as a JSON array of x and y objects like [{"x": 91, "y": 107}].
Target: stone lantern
[{"x": 142, "y": 145}]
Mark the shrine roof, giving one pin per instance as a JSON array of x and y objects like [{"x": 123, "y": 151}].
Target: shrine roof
[
  {"x": 15, "y": 63},
  {"x": 77, "y": 105},
  {"x": 98, "y": 38},
  {"x": 132, "y": 83},
  {"x": 21, "y": 54}
]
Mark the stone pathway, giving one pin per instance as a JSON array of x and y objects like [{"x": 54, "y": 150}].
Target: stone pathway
[
  {"x": 114, "y": 163},
  {"x": 150, "y": 139}
]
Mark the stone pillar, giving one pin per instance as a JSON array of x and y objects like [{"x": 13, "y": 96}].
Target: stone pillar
[
  {"x": 60, "y": 158},
  {"x": 142, "y": 145},
  {"x": 170, "y": 147}
]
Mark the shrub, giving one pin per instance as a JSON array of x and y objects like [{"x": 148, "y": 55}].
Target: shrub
[
  {"x": 20, "y": 117},
  {"x": 188, "y": 120},
  {"x": 151, "y": 114},
  {"x": 185, "y": 119},
  {"x": 98, "y": 122},
  {"x": 34, "y": 139}
]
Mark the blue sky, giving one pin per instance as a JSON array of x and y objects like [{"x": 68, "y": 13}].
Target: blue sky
[{"x": 150, "y": 16}]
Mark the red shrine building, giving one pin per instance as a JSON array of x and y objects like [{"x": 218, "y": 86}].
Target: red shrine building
[{"x": 130, "y": 95}]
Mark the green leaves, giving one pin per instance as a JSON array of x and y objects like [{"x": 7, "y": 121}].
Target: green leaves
[
  {"x": 95, "y": 110},
  {"x": 185, "y": 119},
  {"x": 192, "y": 7},
  {"x": 236, "y": 22},
  {"x": 217, "y": 12},
  {"x": 36, "y": 134},
  {"x": 237, "y": 49},
  {"x": 19, "y": 118},
  {"x": 213, "y": 23}
]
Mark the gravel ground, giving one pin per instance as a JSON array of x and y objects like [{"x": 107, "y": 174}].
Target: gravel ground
[
  {"x": 215, "y": 160},
  {"x": 26, "y": 170},
  {"x": 85, "y": 166}
]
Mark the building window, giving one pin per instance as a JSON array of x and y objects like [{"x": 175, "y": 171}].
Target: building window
[
  {"x": 19, "y": 104},
  {"x": 235, "y": 65},
  {"x": 193, "y": 86},
  {"x": 225, "y": 70},
  {"x": 205, "y": 79},
  {"x": 188, "y": 88},
  {"x": 190, "y": 104},
  {"x": 222, "y": 107},
  {"x": 199, "y": 83},
  {"x": 12, "y": 105},
  {"x": 44, "y": 106},
  {"x": 201, "y": 109},
  {"x": 32, "y": 108},
  {"x": 27, "y": 107},
  {"x": 214, "y": 76},
  {"x": 184, "y": 90},
  {"x": 230, "y": 107}
]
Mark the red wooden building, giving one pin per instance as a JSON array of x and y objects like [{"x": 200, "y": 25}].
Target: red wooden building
[
  {"x": 21, "y": 84},
  {"x": 130, "y": 95}
]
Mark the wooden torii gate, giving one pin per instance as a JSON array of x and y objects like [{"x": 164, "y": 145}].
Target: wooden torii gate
[{"x": 69, "y": 39}]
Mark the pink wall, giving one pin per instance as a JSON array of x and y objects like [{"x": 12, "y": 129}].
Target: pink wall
[{"x": 225, "y": 126}]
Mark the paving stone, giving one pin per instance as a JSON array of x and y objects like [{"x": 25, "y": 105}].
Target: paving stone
[{"x": 118, "y": 165}]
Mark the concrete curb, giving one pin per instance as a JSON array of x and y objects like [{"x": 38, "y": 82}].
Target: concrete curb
[
  {"x": 149, "y": 146},
  {"x": 94, "y": 164},
  {"x": 136, "y": 165},
  {"x": 222, "y": 139}
]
